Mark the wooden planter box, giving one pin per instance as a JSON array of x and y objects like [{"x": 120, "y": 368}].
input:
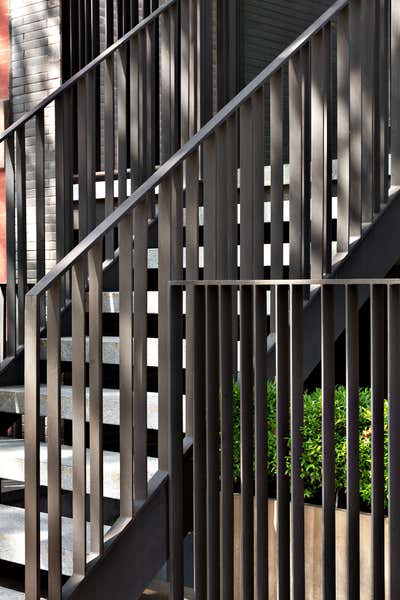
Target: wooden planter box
[{"x": 313, "y": 552}]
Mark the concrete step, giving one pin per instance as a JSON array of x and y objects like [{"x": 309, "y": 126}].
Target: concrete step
[
  {"x": 111, "y": 302},
  {"x": 12, "y": 466},
  {"x": 9, "y": 594},
  {"x": 12, "y": 400},
  {"x": 110, "y": 350},
  {"x": 12, "y": 539}
]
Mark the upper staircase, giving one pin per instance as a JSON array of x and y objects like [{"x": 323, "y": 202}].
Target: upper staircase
[{"x": 99, "y": 432}]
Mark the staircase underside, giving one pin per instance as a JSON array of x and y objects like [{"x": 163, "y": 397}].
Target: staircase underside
[{"x": 371, "y": 256}]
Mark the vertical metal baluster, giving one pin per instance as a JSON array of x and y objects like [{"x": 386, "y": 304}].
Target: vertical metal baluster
[
  {"x": 378, "y": 436},
  {"x": 276, "y": 193},
  {"x": 40, "y": 204},
  {"x": 231, "y": 216},
  {"x": 199, "y": 445},
  {"x": 170, "y": 252},
  {"x": 109, "y": 22},
  {"x": 252, "y": 187},
  {"x": 125, "y": 365},
  {"x": 261, "y": 437},
  {"x": 328, "y": 441},
  {"x": 169, "y": 96},
  {"x": 11, "y": 246},
  {"x": 296, "y": 424},
  {"x": 205, "y": 58},
  {"x": 212, "y": 439},
  {"x": 78, "y": 419},
  {"x": 20, "y": 192},
  {"x": 355, "y": 118},
  {"x": 60, "y": 157},
  {"x": 246, "y": 444},
  {"x": 109, "y": 148},
  {"x": 394, "y": 446},
  {"x": 32, "y": 449},
  {"x": 95, "y": 257},
  {"x": 210, "y": 231},
  {"x": 352, "y": 420},
  {"x": 192, "y": 273},
  {"x": 134, "y": 117},
  {"x": 140, "y": 350},
  {"x": 343, "y": 131},
  {"x": 368, "y": 100},
  {"x": 142, "y": 106},
  {"x": 122, "y": 122},
  {"x": 176, "y": 443},
  {"x": 68, "y": 156},
  {"x": 82, "y": 157},
  {"x": 296, "y": 165},
  {"x": 306, "y": 179},
  {"x": 185, "y": 73},
  {"x": 223, "y": 202},
  {"x": 54, "y": 440},
  {"x": 91, "y": 149},
  {"x": 382, "y": 166},
  {"x": 321, "y": 178},
  {"x": 150, "y": 97},
  {"x": 193, "y": 68},
  {"x": 226, "y": 412},
  {"x": 282, "y": 434}
]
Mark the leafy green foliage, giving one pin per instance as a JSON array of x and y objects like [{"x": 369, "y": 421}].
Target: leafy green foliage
[{"x": 312, "y": 441}]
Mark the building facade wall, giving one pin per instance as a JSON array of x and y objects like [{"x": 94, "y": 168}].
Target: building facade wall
[
  {"x": 35, "y": 31},
  {"x": 4, "y": 95}
]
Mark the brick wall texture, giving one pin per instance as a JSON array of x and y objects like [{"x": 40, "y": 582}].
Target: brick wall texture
[{"x": 35, "y": 29}]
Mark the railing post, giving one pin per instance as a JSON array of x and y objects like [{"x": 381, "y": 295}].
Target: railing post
[
  {"x": 355, "y": 117},
  {"x": 170, "y": 245},
  {"x": 11, "y": 254},
  {"x": 352, "y": 441},
  {"x": 395, "y": 93},
  {"x": 394, "y": 446},
  {"x": 32, "y": 448},
  {"x": 54, "y": 441},
  {"x": 175, "y": 442},
  {"x": 321, "y": 155},
  {"x": 169, "y": 76},
  {"x": 343, "y": 124}
]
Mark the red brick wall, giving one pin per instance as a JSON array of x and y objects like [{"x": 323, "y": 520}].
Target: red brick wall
[{"x": 4, "y": 94}]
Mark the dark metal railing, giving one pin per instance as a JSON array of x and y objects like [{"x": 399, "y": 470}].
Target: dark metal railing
[
  {"x": 232, "y": 141},
  {"x": 280, "y": 571},
  {"x": 137, "y": 106}
]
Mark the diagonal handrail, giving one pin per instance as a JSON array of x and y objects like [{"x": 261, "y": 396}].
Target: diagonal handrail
[
  {"x": 184, "y": 152},
  {"x": 93, "y": 64}
]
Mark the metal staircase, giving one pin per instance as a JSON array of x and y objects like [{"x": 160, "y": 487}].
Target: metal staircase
[{"x": 113, "y": 441}]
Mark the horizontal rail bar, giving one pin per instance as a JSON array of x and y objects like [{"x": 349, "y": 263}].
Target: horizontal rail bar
[
  {"x": 285, "y": 282},
  {"x": 87, "y": 69}
]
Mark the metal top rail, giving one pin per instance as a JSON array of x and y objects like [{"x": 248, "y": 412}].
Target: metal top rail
[
  {"x": 87, "y": 69},
  {"x": 285, "y": 282},
  {"x": 185, "y": 151}
]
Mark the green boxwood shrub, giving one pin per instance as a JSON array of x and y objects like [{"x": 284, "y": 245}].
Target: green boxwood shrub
[{"x": 312, "y": 441}]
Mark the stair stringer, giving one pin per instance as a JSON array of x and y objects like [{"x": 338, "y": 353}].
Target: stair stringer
[
  {"x": 135, "y": 552},
  {"x": 372, "y": 256}
]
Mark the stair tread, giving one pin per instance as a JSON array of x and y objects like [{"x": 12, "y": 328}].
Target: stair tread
[
  {"x": 10, "y": 594},
  {"x": 12, "y": 538},
  {"x": 12, "y": 466},
  {"x": 12, "y": 401},
  {"x": 110, "y": 350},
  {"x": 111, "y": 302}
]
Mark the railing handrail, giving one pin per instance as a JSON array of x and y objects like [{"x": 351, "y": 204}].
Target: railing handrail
[
  {"x": 86, "y": 69},
  {"x": 186, "y": 149},
  {"x": 285, "y": 282}
]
